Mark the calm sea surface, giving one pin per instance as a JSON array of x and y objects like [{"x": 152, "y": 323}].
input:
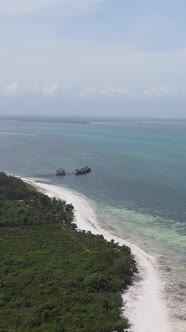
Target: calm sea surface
[{"x": 138, "y": 183}]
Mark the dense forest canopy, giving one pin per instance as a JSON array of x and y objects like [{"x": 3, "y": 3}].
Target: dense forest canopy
[{"x": 53, "y": 277}]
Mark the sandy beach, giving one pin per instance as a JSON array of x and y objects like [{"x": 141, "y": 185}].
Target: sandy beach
[{"x": 144, "y": 303}]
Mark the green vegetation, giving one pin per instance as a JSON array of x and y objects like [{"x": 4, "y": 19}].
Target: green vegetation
[{"x": 52, "y": 277}]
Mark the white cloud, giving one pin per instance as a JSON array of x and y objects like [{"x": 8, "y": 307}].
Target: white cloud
[
  {"x": 114, "y": 91},
  {"x": 50, "y": 90},
  {"x": 110, "y": 91},
  {"x": 26, "y": 6},
  {"x": 67, "y": 90},
  {"x": 9, "y": 89},
  {"x": 162, "y": 91}
]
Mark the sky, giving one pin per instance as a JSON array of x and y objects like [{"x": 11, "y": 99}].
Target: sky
[{"x": 93, "y": 57}]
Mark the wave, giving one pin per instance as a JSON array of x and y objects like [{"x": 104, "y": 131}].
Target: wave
[{"x": 152, "y": 227}]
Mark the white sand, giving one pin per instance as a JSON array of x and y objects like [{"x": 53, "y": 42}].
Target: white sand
[{"x": 145, "y": 306}]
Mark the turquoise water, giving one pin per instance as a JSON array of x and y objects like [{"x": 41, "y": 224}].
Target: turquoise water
[{"x": 138, "y": 181}]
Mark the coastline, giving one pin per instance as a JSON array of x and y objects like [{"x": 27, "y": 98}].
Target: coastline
[{"x": 144, "y": 303}]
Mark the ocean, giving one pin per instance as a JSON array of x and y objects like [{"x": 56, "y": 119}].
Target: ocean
[{"x": 137, "y": 184}]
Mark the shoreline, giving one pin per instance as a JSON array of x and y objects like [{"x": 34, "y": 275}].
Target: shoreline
[{"x": 144, "y": 303}]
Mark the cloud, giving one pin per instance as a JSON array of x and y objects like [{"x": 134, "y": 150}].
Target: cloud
[
  {"x": 50, "y": 90},
  {"x": 108, "y": 91},
  {"x": 114, "y": 91},
  {"x": 61, "y": 89},
  {"x": 93, "y": 92},
  {"x": 9, "y": 89},
  {"x": 162, "y": 91},
  {"x": 17, "y": 7}
]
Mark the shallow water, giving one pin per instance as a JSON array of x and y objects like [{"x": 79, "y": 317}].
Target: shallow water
[{"x": 138, "y": 181}]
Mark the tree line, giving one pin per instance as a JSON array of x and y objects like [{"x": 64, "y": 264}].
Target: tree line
[{"x": 53, "y": 277}]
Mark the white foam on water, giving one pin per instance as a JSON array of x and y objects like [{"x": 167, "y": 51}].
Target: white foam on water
[{"x": 144, "y": 302}]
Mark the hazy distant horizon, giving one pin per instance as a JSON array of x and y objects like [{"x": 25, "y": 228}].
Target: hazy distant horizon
[
  {"x": 93, "y": 57},
  {"x": 88, "y": 118}
]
